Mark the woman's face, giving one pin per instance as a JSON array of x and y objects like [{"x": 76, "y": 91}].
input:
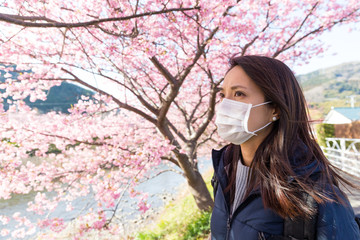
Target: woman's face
[{"x": 238, "y": 86}]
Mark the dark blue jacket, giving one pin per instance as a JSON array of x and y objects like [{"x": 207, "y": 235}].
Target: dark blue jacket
[{"x": 251, "y": 220}]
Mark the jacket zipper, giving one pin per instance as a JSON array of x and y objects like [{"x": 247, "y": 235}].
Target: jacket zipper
[
  {"x": 242, "y": 206},
  {"x": 228, "y": 223},
  {"x": 228, "y": 226}
]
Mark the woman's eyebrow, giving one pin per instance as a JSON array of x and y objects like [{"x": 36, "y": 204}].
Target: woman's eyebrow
[
  {"x": 232, "y": 88},
  {"x": 237, "y": 86}
]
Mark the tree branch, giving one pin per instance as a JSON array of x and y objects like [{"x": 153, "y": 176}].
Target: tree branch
[
  {"x": 169, "y": 77},
  {"x": 30, "y": 21},
  {"x": 134, "y": 32},
  {"x": 298, "y": 29},
  {"x": 151, "y": 108},
  {"x": 201, "y": 97},
  {"x": 117, "y": 101},
  {"x": 247, "y": 45},
  {"x": 78, "y": 141},
  {"x": 210, "y": 137},
  {"x": 176, "y": 131},
  {"x": 319, "y": 29},
  {"x": 170, "y": 159},
  {"x": 210, "y": 114}
]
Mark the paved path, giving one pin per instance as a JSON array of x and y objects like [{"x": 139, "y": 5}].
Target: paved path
[{"x": 354, "y": 196}]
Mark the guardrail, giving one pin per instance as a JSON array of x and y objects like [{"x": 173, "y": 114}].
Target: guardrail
[{"x": 344, "y": 153}]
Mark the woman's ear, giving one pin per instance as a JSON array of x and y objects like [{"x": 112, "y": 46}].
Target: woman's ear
[{"x": 275, "y": 113}]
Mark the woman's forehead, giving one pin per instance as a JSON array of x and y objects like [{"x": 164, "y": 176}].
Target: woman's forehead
[{"x": 236, "y": 78}]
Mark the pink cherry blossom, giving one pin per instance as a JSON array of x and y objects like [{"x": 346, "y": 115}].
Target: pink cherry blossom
[
  {"x": 155, "y": 79},
  {"x": 4, "y": 219},
  {"x": 4, "y": 232}
]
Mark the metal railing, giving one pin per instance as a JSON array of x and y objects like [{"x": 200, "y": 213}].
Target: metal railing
[{"x": 344, "y": 153}]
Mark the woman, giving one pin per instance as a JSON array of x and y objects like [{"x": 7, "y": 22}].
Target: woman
[{"x": 273, "y": 167}]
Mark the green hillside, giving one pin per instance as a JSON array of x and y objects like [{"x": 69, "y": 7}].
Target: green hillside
[
  {"x": 332, "y": 86},
  {"x": 346, "y": 72}
]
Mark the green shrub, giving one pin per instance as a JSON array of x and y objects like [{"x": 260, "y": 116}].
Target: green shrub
[
  {"x": 200, "y": 227},
  {"x": 180, "y": 220},
  {"x": 323, "y": 131}
]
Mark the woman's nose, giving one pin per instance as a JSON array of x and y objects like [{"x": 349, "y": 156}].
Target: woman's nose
[{"x": 229, "y": 97}]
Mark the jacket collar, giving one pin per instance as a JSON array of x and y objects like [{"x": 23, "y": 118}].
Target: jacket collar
[
  {"x": 216, "y": 157},
  {"x": 297, "y": 158}
]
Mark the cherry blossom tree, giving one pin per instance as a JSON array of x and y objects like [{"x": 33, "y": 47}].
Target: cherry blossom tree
[{"x": 162, "y": 62}]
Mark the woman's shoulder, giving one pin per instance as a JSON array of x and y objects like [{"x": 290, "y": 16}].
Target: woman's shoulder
[{"x": 336, "y": 219}]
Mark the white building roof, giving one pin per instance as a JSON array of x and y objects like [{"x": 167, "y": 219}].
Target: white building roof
[{"x": 342, "y": 115}]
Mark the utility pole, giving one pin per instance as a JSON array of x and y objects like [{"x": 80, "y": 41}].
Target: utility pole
[{"x": 352, "y": 100}]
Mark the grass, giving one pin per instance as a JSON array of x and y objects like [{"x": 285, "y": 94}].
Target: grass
[{"x": 180, "y": 220}]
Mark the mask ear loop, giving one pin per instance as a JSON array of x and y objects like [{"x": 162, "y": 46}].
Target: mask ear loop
[
  {"x": 254, "y": 132},
  {"x": 260, "y": 104},
  {"x": 248, "y": 114}
]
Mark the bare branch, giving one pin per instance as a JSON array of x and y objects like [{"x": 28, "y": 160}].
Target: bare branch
[
  {"x": 249, "y": 44},
  {"x": 170, "y": 159},
  {"x": 317, "y": 30},
  {"x": 134, "y": 32},
  {"x": 200, "y": 51},
  {"x": 176, "y": 131},
  {"x": 9, "y": 39},
  {"x": 175, "y": 85},
  {"x": 182, "y": 110},
  {"x": 78, "y": 141},
  {"x": 31, "y": 21},
  {"x": 210, "y": 137},
  {"x": 211, "y": 78},
  {"x": 122, "y": 195},
  {"x": 83, "y": 48},
  {"x": 150, "y": 84},
  {"x": 197, "y": 105},
  {"x": 117, "y": 101},
  {"x": 171, "y": 79},
  {"x": 210, "y": 113},
  {"x": 299, "y": 28},
  {"x": 196, "y": 21},
  {"x": 130, "y": 80}
]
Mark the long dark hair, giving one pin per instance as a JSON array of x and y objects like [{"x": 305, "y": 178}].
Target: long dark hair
[{"x": 272, "y": 171}]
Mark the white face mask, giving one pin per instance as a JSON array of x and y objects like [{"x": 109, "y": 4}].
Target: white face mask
[{"x": 232, "y": 121}]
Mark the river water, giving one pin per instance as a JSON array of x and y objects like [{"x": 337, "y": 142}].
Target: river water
[{"x": 160, "y": 189}]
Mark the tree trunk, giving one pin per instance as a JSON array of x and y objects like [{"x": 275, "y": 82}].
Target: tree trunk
[
  {"x": 200, "y": 192},
  {"x": 195, "y": 181}
]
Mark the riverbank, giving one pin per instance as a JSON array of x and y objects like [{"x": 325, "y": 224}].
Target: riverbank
[{"x": 178, "y": 218}]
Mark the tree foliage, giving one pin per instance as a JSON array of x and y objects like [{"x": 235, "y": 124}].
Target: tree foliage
[{"x": 157, "y": 66}]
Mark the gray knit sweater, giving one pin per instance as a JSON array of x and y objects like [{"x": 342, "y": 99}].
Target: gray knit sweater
[{"x": 242, "y": 173}]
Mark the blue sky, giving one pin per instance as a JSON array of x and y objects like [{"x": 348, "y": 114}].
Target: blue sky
[{"x": 344, "y": 46}]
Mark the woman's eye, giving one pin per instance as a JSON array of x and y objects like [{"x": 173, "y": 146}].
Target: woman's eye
[
  {"x": 221, "y": 95},
  {"x": 238, "y": 94}
]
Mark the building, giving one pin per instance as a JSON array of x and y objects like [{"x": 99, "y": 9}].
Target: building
[{"x": 343, "y": 115}]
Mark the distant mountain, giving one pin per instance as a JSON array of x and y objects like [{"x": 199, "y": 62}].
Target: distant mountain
[
  {"x": 59, "y": 98},
  {"x": 332, "y": 83},
  {"x": 331, "y": 86}
]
